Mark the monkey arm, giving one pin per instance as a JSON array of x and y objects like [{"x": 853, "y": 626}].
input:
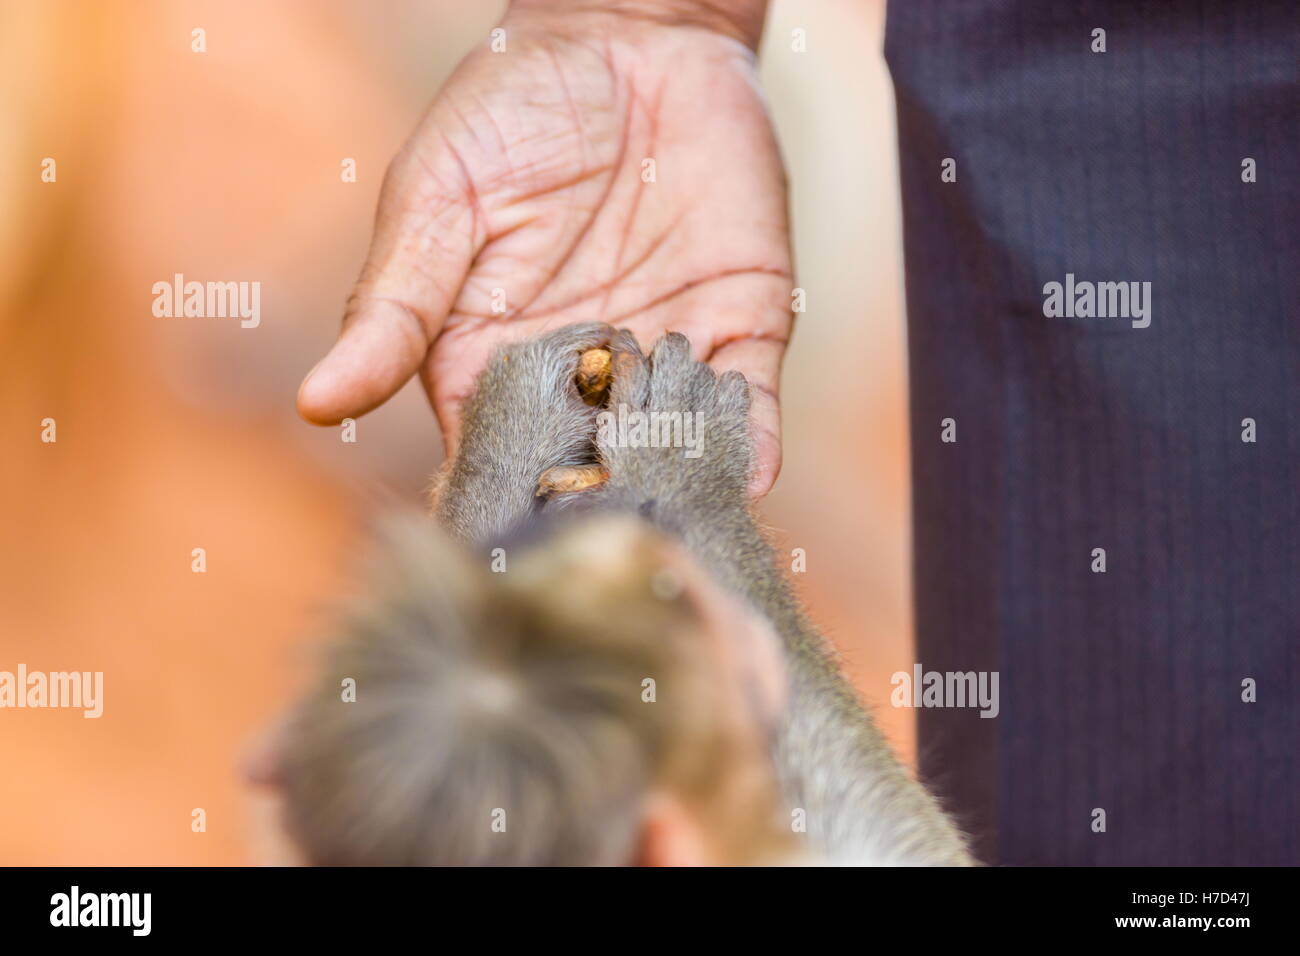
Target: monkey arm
[
  {"x": 858, "y": 803},
  {"x": 855, "y": 801}
]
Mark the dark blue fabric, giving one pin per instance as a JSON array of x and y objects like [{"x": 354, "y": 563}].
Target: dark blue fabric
[{"x": 1121, "y": 690}]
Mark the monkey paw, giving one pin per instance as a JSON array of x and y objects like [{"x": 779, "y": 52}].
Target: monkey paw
[
  {"x": 526, "y": 419},
  {"x": 673, "y": 431}
]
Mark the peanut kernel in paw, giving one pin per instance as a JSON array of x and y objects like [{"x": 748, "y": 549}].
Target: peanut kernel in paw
[
  {"x": 593, "y": 375},
  {"x": 564, "y": 478}
]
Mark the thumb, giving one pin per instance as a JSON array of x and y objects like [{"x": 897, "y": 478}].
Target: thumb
[{"x": 426, "y": 236}]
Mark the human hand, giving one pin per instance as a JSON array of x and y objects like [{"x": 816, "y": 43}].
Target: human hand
[{"x": 521, "y": 203}]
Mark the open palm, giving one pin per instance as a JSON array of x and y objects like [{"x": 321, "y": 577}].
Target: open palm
[{"x": 601, "y": 168}]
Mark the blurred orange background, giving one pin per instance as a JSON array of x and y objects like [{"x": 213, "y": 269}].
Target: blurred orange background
[{"x": 177, "y": 433}]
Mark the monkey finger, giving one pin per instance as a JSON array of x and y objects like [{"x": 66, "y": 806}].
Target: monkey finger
[{"x": 630, "y": 371}]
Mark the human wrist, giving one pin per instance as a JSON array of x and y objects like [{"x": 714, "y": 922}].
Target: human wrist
[{"x": 741, "y": 20}]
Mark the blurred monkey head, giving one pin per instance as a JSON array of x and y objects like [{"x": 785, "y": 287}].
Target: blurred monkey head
[{"x": 583, "y": 695}]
